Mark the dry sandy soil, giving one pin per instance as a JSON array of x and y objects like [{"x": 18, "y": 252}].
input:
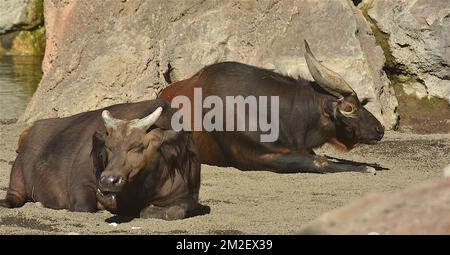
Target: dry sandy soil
[{"x": 247, "y": 202}]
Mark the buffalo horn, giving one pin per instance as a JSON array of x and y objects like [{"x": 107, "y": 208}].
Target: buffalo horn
[
  {"x": 109, "y": 120},
  {"x": 147, "y": 122},
  {"x": 330, "y": 81}
]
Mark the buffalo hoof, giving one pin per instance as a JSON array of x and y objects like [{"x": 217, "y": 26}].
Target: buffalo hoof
[
  {"x": 363, "y": 169},
  {"x": 370, "y": 170},
  {"x": 175, "y": 212},
  {"x": 366, "y": 170}
]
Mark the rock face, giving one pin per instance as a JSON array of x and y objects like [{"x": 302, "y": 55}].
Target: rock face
[
  {"x": 104, "y": 52},
  {"x": 422, "y": 209},
  {"x": 418, "y": 35}
]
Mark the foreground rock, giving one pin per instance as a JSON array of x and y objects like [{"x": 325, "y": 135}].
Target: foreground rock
[
  {"x": 417, "y": 33},
  {"x": 101, "y": 53},
  {"x": 422, "y": 209}
]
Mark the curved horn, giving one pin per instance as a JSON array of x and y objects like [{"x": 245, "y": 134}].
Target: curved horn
[
  {"x": 330, "y": 81},
  {"x": 147, "y": 122},
  {"x": 108, "y": 119}
]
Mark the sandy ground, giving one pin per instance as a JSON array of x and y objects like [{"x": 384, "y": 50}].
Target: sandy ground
[{"x": 247, "y": 202}]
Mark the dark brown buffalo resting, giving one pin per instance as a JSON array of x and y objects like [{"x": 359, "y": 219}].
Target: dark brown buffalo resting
[
  {"x": 311, "y": 113},
  {"x": 124, "y": 158}
]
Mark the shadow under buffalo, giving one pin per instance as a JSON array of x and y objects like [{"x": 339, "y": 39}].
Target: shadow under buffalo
[
  {"x": 377, "y": 166},
  {"x": 202, "y": 210}
]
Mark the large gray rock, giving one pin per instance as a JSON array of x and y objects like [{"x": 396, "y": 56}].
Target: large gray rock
[
  {"x": 419, "y": 39},
  {"x": 385, "y": 94},
  {"x": 104, "y": 52},
  {"x": 18, "y": 14},
  {"x": 421, "y": 209}
]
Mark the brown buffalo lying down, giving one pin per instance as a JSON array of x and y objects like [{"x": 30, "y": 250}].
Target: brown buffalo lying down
[
  {"x": 311, "y": 113},
  {"x": 133, "y": 165}
]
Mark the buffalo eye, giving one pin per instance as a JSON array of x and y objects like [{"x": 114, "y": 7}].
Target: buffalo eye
[
  {"x": 348, "y": 111},
  {"x": 348, "y": 108}
]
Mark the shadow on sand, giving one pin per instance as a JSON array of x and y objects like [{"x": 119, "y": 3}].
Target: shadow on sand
[{"x": 377, "y": 167}]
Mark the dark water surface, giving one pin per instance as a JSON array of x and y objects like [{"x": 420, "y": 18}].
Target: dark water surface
[{"x": 19, "y": 78}]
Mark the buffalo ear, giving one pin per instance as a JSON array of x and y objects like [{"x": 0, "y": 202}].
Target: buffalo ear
[
  {"x": 365, "y": 101},
  {"x": 179, "y": 153},
  {"x": 172, "y": 148},
  {"x": 98, "y": 153},
  {"x": 330, "y": 109}
]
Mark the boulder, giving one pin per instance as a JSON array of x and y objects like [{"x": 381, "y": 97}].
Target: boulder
[
  {"x": 421, "y": 209},
  {"x": 105, "y": 52},
  {"x": 418, "y": 36},
  {"x": 19, "y": 15},
  {"x": 21, "y": 27}
]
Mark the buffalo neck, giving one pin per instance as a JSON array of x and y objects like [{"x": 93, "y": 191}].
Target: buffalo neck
[
  {"x": 307, "y": 125},
  {"x": 164, "y": 186}
]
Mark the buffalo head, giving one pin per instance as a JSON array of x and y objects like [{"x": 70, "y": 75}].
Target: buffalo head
[
  {"x": 353, "y": 123},
  {"x": 130, "y": 149},
  {"x": 137, "y": 161}
]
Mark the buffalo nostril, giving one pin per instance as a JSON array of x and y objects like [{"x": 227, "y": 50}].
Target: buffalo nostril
[
  {"x": 380, "y": 130},
  {"x": 103, "y": 179},
  {"x": 114, "y": 180},
  {"x": 111, "y": 180}
]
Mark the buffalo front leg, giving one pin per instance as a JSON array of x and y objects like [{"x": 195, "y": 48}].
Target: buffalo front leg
[
  {"x": 298, "y": 163},
  {"x": 177, "y": 211},
  {"x": 83, "y": 198},
  {"x": 174, "y": 212}
]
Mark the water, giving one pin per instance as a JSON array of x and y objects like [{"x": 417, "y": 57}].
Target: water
[{"x": 19, "y": 78}]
